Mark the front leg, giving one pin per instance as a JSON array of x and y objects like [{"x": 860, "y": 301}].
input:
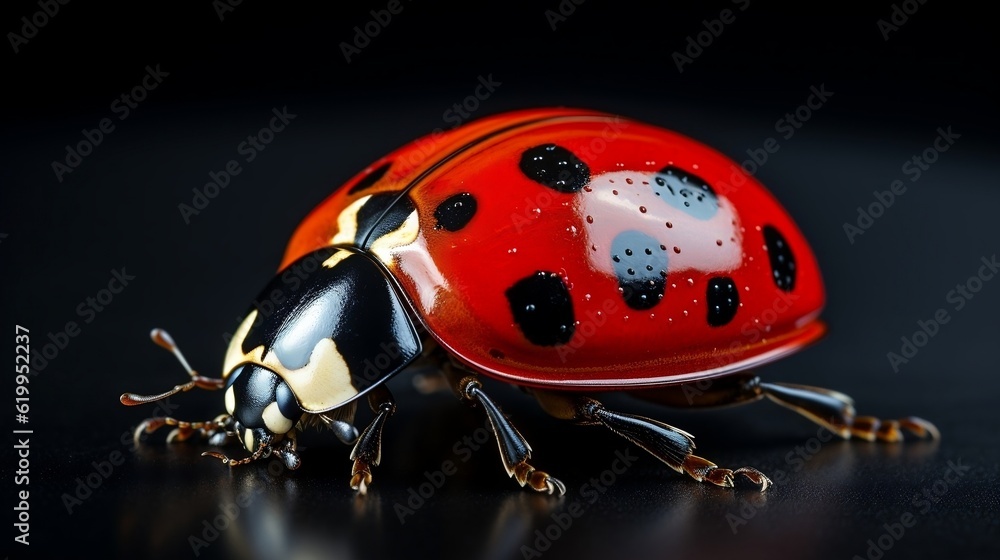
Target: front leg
[
  {"x": 287, "y": 451},
  {"x": 216, "y": 431}
]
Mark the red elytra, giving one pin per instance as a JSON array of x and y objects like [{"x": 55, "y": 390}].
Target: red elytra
[{"x": 628, "y": 241}]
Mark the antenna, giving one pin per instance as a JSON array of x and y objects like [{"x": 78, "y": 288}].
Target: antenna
[{"x": 163, "y": 339}]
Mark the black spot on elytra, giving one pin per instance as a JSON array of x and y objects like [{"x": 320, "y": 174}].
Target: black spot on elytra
[
  {"x": 782, "y": 259},
  {"x": 454, "y": 213},
  {"x": 371, "y": 178},
  {"x": 723, "y": 300},
  {"x": 555, "y": 167},
  {"x": 381, "y": 214},
  {"x": 542, "y": 308},
  {"x": 688, "y": 178},
  {"x": 686, "y": 192},
  {"x": 640, "y": 263}
]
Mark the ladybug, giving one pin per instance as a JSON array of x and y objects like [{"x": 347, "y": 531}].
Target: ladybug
[{"x": 563, "y": 251}]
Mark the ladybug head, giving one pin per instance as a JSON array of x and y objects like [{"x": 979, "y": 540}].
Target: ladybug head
[
  {"x": 327, "y": 329},
  {"x": 262, "y": 406}
]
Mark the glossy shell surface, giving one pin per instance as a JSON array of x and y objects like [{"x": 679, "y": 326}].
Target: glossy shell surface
[{"x": 570, "y": 249}]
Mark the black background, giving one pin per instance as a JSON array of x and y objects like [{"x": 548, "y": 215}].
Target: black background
[{"x": 119, "y": 208}]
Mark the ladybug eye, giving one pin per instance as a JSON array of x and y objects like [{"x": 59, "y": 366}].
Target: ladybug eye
[{"x": 555, "y": 167}]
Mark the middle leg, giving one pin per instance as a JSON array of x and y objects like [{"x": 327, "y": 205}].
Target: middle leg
[{"x": 514, "y": 449}]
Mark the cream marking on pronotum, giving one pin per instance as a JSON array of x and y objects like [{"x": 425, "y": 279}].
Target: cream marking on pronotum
[
  {"x": 336, "y": 258},
  {"x": 347, "y": 223},
  {"x": 405, "y": 239},
  {"x": 386, "y": 246},
  {"x": 320, "y": 385}
]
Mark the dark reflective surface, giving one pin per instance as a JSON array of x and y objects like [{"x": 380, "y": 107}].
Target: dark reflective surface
[
  {"x": 64, "y": 242},
  {"x": 439, "y": 493},
  {"x": 829, "y": 497}
]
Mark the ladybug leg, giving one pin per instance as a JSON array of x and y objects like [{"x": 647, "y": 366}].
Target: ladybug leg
[
  {"x": 835, "y": 411},
  {"x": 367, "y": 452},
  {"x": 183, "y": 430},
  {"x": 341, "y": 422},
  {"x": 671, "y": 445},
  {"x": 163, "y": 339},
  {"x": 287, "y": 451},
  {"x": 514, "y": 449}
]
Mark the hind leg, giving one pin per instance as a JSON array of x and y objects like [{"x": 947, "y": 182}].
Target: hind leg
[
  {"x": 672, "y": 446},
  {"x": 835, "y": 411},
  {"x": 830, "y": 409}
]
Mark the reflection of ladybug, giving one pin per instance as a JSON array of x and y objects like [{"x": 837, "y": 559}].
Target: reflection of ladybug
[{"x": 560, "y": 250}]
